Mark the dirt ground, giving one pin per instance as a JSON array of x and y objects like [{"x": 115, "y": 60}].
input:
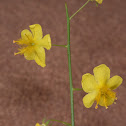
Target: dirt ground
[{"x": 29, "y": 93}]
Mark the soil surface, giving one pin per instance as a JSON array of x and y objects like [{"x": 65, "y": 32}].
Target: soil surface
[{"x": 29, "y": 93}]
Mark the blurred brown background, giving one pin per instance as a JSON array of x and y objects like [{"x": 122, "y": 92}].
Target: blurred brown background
[{"x": 28, "y": 93}]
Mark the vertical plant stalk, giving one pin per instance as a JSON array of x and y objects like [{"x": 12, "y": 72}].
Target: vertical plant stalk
[{"x": 69, "y": 65}]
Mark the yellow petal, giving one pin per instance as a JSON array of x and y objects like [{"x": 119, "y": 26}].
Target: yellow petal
[
  {"x": 89, "y": 99},
  {"x": 88, "y": 83},
  {"x": 45, "y": 42},
  {"x": 101, "y": 73},
  {"x": 36, "y": 31},
  {"x": 114, "y": 82},
  {"x": 40, "y": 56},
  {"x": 26, "y": 35},
  {"x": 37, "y": 124},
  {"x": 29, "y": 54},
  {"x": 99, "y": 1}
]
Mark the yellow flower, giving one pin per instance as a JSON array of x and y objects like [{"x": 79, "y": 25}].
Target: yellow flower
[
  {"x": 37, "y": 124},
  {"x": 99, "y": 1},
  {"x": 43, "y": 123},
  {"x": 100, "y": 87},
  {"x": 32, "y": 44}
]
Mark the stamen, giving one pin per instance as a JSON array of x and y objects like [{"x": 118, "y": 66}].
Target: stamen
[
  {"x": 98, "y": 99},
  {"x": 106, "y": 94},
  {"x": 105, "y": 102},
  {"x": 21, "y": 51},
  {"x": 96, "y": 106},
  {"x": 19, "y": 42},
  {"x": 17, "y": 53}
]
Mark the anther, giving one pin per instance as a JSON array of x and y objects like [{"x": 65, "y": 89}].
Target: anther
[
  {"x": 15, "y": 54},
  {"x": 96, "y": 106},
  {"x": 106, "y": 107},
  {"x": 114, "y": 102}
]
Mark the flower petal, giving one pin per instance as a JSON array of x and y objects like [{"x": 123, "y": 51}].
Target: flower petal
[
  {"x": 89, "y": 99},
  {"x": 36, "y": 31},
  {"x": 114, "y": 82},
  {"x": 45, "y": 42},
  {"x": 99, "y": 1},
  {"x": 29, "y": 54},
  {"x": 26, "y": 35},
  {"x": 88, "y": 83},
  {"x": 101, "y": 73},
  {"x": 40, "y": 56}
]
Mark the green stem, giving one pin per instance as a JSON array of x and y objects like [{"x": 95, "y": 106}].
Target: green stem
[
  {"x": 69, "y": 64},
  {"x": 65, "y": 123},
  {"x": 79, "y": 9},
  {"x": 60, "y": 45},
  {"x": 77, "y": 89}
]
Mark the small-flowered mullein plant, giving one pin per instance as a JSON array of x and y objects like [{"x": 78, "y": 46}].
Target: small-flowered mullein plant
[
  {"x": 100, "y": 87},
  {"x": 32, "y": 44}
]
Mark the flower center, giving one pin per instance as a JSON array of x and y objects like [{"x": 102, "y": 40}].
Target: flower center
[
  {"x": 24, "y": 45},
  {"x": 32, "y": 44},
  {"x": 104, "y": 96}
]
